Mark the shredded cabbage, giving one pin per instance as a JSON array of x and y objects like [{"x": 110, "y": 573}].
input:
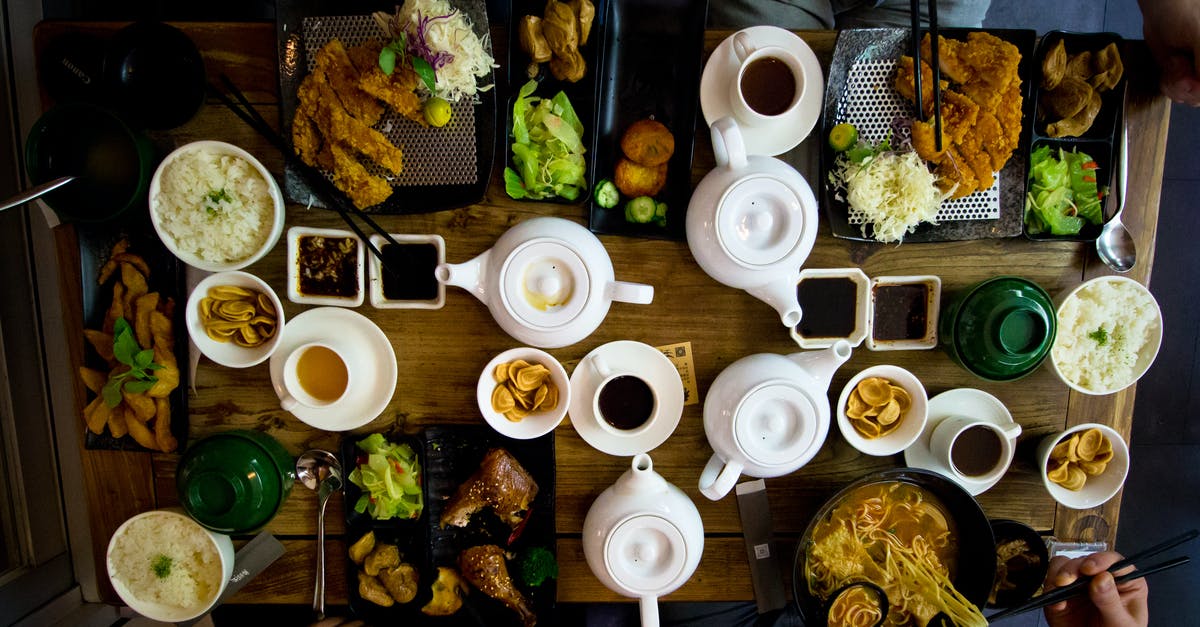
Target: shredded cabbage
[
  {"x": 460, "y": 56},
  {"x": 894, "y": 190},
  {"x": 547, "y": 148}
]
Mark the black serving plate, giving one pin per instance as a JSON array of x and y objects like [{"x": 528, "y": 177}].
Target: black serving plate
[
  {"x": 581, "y": 93},
  {"x": 409, "y": 198},
  {"x": 650, "y": 68},
  {"x": 976, "y": 563},
  {"x": 1099, "y": 140},
  {"x": 871, "y": 44},
  {"x": 166, "y": 277}
]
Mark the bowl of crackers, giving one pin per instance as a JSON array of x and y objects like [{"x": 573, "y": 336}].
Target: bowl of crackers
[
  {"x": 882, "y": 410},
  {"x": 523, "y": 393},
  {"x": 235, "y": 319},
  {"x": 1084, "y": 466}
]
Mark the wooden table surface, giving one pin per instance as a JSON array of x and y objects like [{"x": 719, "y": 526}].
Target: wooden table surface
[{"x": 441, "y": 352}]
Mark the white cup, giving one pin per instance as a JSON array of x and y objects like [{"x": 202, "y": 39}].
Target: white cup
[
  {"x": 609, "y": 375},
  {"x": 946, "y": 437},
  {"x": 747, "y": 54},
  {"x": 294, "y": 392}
]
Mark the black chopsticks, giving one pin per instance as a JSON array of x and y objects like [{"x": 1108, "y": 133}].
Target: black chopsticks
[
  {"x": 1080, "y": 585},
  {"x": 915, "y": 6},
  {"x": 320, "y": 186}
]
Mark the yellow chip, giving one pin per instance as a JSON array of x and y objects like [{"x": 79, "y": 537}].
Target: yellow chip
[
  {"x": 515, "y": 366},
  {"x": 890, "y": 413},
  {"x": 539, "y": 396},
  {"x": 856, "y": 406},
  {"x": 867, "y": 428},
  {"x": 551, "y": 397},
  {"x": 1093, "y": 468},
  {"x": 876, "y": 391},
  {"x": 501, "y": 373},
  {"x": 530, "y": 378},
  {"x": 502, "y": 399},
  {"x": 1092, "y": 442},
  {"x": 902, "y": 398}
]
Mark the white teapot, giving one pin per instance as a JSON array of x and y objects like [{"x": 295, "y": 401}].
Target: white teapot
[
  {"x": 752, "y": 222},
  {"x": 767, "y": 415},
  {"x": 548, "y": 282},
  {"x": 643, "y": 537}
]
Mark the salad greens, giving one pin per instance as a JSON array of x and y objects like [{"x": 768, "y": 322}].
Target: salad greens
[
  {"x": 1063, "y": 195},
  {"x": 547, "y": 148},
  {"x": 141, "y": 363},
  {"x": 390, "y": 477}
]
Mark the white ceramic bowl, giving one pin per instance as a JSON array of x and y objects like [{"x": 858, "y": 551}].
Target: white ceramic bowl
[
  {"x": 1145, "y": 356},
  {"x": 276, "y": 227},
  {"x": 379, "y": 301},
  {"x": 1098, "y": 489},
  {"x": 535, "y": 424},
  {"x": 912, "y": 422},
  {"x": 294, "y": 293},
  {"x": 221, "y": 545},
  {"x": 228, "y": 353}
]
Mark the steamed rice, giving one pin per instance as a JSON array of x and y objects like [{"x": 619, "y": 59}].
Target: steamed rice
[
  {"x": 168, "y": 560},
  {"x": 215, "y": 206},
  {"x": 1102, "y": 331}
]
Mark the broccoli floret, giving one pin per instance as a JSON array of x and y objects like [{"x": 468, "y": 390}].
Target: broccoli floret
[{"x": 536, "y": 565}]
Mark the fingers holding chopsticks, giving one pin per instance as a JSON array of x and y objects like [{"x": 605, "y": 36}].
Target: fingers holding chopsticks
[{"x": 1107, "y": 604}]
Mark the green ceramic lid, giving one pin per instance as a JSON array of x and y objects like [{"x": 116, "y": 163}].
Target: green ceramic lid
[
  {"x": 232, "y": 482},
  {"x": 1003, "y": 328}
]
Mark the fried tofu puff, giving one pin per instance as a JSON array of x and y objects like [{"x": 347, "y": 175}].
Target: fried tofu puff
[
  {"x": 648, "y": 142},
  {"x": 401, "y": 582},
  {"x": 634, "y": 179},
  {"x": 384, "y": 556},
  {"x": 371, "y": 590},
  {"x": 448, "y": 590},
  {"x": 362, "y": 548}
]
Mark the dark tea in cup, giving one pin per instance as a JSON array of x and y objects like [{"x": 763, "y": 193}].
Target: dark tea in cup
[
  {"x": 626, "y": 402},
  {"x": 768, "y": 85},
  {"x": 976, "y": 451}
]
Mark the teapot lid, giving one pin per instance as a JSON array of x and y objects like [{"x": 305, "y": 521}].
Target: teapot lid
[
  {"x": 775, "y": 424},
  {"x": 646, "y": 553},
  {"x": 544, "y": 283},
  {"x": 759, "y": 220}
]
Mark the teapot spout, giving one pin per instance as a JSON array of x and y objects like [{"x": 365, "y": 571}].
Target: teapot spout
[
  {"x": 640, "y": 478},
  {"x": 780, "y": 294},
  {"x": 820, "y": 365},
  {"x": 468, "y": 275}
]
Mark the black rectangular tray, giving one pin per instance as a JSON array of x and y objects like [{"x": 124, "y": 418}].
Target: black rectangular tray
[
  {"x": 650, "y": 68},
  {"x": 167, "y": 277},
  {"x": 881, "y": 43}
]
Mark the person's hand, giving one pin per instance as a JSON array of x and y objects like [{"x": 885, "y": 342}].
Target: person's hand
[
  {"x": 1172, "y": 31},
  {"x": 1106, "y": 604}
]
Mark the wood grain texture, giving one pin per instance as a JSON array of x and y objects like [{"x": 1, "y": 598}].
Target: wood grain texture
[{"x": 440, "y": 353}]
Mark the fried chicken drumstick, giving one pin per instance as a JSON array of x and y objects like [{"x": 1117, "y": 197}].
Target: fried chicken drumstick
[
  {"x": 485, "y": 568},
  {"x": 500, "y": 483}
]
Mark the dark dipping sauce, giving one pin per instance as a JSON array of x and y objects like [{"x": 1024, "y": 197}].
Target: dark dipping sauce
[
  {"x": 328, "y": 266},
  {"x": 768, "y": 86},
  {"x": 901, "y": 311},
  {"x": 976, "y": 451},
  {"x": 413, "y": 278},
  {"x": 626, "y": 402},
  {"x": 828, "y": 306}
]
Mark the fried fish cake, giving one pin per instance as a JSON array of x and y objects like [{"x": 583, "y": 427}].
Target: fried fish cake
[
  {"x": 648, "y": 142},
  {"x": 635, "y": 179}
]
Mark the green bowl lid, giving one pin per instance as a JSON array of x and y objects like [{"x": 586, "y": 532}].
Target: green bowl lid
[
  {"x": 1005, "y": 328},
  {"x": 230, "y": 484}
]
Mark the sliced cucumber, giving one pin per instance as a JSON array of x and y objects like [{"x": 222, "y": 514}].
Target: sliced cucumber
[{"x": 640, "y": 210}]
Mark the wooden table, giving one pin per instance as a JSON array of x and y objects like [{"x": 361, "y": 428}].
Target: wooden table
[{"x": 441, "y": 352}]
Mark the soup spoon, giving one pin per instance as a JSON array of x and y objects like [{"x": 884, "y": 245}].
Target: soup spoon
[
  {"x": 320, "y": 470},
  {"x": 35, "y": 192},
  {"x": 1115, "y": 246}
]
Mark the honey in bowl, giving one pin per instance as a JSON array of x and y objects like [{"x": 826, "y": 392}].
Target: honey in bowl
[{"x": 322, "y": 374}]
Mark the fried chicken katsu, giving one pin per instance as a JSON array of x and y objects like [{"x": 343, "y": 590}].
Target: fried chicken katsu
[{"x": 981, "y": 109}]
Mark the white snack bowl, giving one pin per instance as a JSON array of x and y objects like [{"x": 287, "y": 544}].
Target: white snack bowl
[
  {"x": 912, "y": 421},
  {"x": 155, "y": 611},
  {"x": 378, "y": 300},
  {"x": 861, "y": 319},
  {"x": 272, "y": 188},
  {"x": 1146, "y": 355},
  {"x": 228, "y": 353},
  {"x": 535, "y": 424},
  {"x": 294, "y": 293},
  {"x": 1098, "y": 489}
]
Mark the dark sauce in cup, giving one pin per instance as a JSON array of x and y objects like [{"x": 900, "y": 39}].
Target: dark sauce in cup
[
  {"x": 828, "y": 307},
  {"x": 413, "y": 278},
  {"x": 901, "y": 311}
]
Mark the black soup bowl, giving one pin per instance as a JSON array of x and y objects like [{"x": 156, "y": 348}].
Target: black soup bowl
[
  {"x": 976, "y": 559},
  {"x": 114, "y": 163},
  {"x": 154, "y": 74}
]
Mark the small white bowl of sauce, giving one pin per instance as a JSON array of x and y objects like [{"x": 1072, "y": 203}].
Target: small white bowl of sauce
[
  {"x": 833, "y": 305},
  {"x": 904, "y": 312}
]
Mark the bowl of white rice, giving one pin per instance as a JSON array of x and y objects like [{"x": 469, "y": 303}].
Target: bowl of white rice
[
  {"x": 215, "y": 206},
  {"x": 168, "y": 568},
  {"x": 1109, "y": 332}
]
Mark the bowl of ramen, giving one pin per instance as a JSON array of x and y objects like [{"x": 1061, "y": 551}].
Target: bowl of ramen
[{"x": 913, "y": 534}]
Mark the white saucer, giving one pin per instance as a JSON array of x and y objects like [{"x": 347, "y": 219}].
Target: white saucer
[
  {"x": 792, "y": 128},
  {"x": 372, "y": 365},
  {"x": 958, "y": 402},
  {"x": 649, "y": 364}
]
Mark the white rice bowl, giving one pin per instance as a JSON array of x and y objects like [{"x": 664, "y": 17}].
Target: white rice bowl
[
  {"x": 215, "y": 206},
  {"x": 1109, "y": 332},
  {"x": 167, "y": 567}
]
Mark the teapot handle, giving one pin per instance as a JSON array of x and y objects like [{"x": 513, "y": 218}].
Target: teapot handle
[
  {"x": 718, "y": 477},
  {"x": 728, "y": 146},
  {"x": 636, "y": 293}
]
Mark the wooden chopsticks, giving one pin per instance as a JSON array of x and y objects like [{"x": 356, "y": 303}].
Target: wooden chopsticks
[
  {"x": 1080, "y": 585},
  {"x": 915, "y": 6},
  {"x": 321, "y": 188}
]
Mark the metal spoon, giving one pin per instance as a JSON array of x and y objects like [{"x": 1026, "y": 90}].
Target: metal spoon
[
  {"x": 34, "y": 192},
  {"x": 1115, "y": 246},
  {"x": 320, "y": 470}
]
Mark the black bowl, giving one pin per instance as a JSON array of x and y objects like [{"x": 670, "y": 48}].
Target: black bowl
[
  {"x": 154, "y": 74},
  {"x": 1029, "y": 577},
  {"x": 976, "y": 545}
]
